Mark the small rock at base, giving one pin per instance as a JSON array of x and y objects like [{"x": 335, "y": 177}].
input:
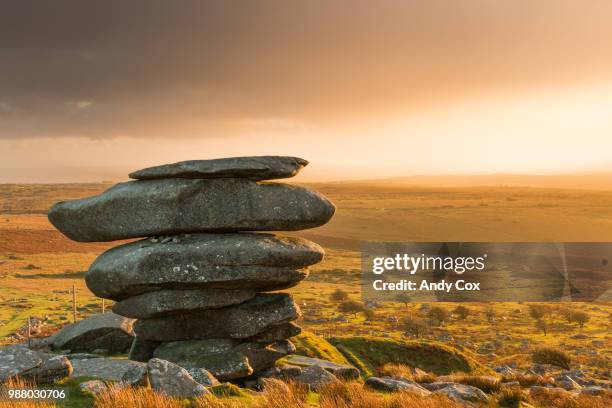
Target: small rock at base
[
  {"x": 93, "y": 387},
  {"x": 172, "y": 380}
]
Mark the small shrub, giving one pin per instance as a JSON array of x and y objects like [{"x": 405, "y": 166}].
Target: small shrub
[
  {"x": 339, "y": 295},
  {"x": 580, "y": 317},
  {"x": 438, "y": 315},
  {"x": 511, "y": 397},
  {"x": 462, "y": 312},
  {"x": 403, "y": 298},
  {"x": 370, "y": 315},
  {"x": 538, "y": 312},
  {"x": 552, "y": 356},
  {"x": 415, "y": 326},
  {"x": 351, "y": 306}
]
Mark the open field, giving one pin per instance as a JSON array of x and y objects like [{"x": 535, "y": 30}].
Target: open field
[{"x": 38, "y": 266}]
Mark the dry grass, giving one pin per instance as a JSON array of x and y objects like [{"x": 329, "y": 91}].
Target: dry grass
[
  {"x": 559, "y": 399},
  {"x": 278, "y": 394},
  {"x": 404, "y": 371},
  {"x": 354, "y": 395},
  {"x": 553, "y": 356},
  {"x": 486, "y": 383},
  {"x": 134, "y": 398},
  {"x": 14, "y": 383},
  {"x": 511, "y": 397},
  {"x": 528, "y": 380}
]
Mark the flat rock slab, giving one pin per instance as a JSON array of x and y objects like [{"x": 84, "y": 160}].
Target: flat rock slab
[
  {"x": 172, "y": 206},
  {"x": 225, "y": 359},
  {"x": 103, "y": 368},
  {"x": 17, "y": 360},
  {"x": 169, "y": 302},
  {"x": 245, "y": 320},
  {"x": 107, "y": 331},
  {"x": 252, "y": 167},
  {"x": 196, "y": 261},
  {"x": 339, "y": 370}
]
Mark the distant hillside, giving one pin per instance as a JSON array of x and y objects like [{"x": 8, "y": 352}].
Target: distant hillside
[{"x": 593, "y": 181}]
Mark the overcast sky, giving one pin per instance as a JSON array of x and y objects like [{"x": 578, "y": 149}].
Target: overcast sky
[{"x": 360, "y": 88}]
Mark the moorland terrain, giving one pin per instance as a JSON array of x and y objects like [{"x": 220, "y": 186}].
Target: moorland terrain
[{"x": 39, "y": 266}]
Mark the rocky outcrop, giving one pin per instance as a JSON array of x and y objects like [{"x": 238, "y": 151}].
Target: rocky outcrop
[{"x": 197, "y": 284}]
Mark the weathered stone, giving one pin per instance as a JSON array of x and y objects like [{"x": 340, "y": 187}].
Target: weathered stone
[
  {"x": 169, "y": 302},
  {"x": 216, "y": 355},
  {"x": 81, "y": 356},
  {"x": 437, "y": 385},
  {"x": 262, "y": 357},
  {"x": 315, "y": 377},
  {"x": 93, "y": 387},
  {"x": 136, "y": 376},
  {"x": 172, "y": 380},
  {"x": 203, "y": 376},
  {"x": 282, "y": 371},
  {"x": 339, "y": 370},
  {"x": 463, "y": 392},
  {"x": 142, "y": 350},
  {"x": 103, "y": 368},
  {"x": 237, "y": 322},
  {"x": 593, "y": 391},
  {"x": 53, "y": 368},
  {"x": 251, "y": 167},
  {"x": 173, "y": 206},
  {"x": 40, "y": 343},
  {"x": 567, "y": 383},
  {"x": 198, "y": 261},
  {"x": 395, "y": 385},
  {"x": 17, "y": 360},
  {"x": 277, "y": 333},
  {"x": 226, "y": 359},
  {"x": 102, "y": 331}
]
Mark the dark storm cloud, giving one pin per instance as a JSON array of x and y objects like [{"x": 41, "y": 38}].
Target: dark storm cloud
[{"x": 106, "y": 68}]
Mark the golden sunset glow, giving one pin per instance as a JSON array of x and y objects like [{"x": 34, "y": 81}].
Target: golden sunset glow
[{"x": 406, "y": 88}]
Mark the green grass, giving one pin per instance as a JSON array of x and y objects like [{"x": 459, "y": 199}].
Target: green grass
[
  {"x": 76, "y": 398},
  {"x": 309, "y": 345},
  {"x": 369, "y": 353}
]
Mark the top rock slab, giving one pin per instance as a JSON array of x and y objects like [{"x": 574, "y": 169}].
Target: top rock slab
[
  {"x": 145, "y": 208},
  {"x": 251, "y": 167}
]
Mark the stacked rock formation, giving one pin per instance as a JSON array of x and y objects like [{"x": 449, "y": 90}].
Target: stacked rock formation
[{"x": 198, "y": 284}]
